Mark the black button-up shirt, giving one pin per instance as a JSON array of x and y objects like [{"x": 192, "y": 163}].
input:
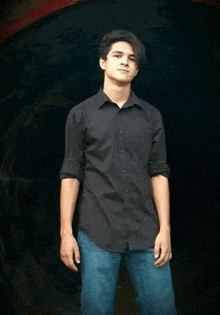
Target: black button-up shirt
[{"x": 114, "y": 152}]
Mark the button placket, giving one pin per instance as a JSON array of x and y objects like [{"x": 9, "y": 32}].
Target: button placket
[{"x": 121, "y": 148}]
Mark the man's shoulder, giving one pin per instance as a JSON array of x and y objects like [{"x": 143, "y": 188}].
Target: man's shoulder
[
  {"x": 84, "y": 105},
  {"x": 151, "y": 110}
]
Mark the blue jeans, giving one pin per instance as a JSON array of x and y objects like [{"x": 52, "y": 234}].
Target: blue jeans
[{"x": 99, "y": 271}]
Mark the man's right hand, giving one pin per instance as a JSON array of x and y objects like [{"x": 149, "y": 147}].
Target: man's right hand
[{"x": 69, "y": 252}]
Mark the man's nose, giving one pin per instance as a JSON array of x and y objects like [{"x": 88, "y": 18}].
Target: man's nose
[{"x": 124, "y": 60}]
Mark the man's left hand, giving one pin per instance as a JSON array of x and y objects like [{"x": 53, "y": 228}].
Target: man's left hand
[{"x": 162, "y": 248}]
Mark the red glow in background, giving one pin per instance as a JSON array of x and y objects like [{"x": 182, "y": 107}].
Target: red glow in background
[
  {"x": 212, "y": 2},
  {"x": 45, "y": 7},
  {"x": 36, "y": 11}
]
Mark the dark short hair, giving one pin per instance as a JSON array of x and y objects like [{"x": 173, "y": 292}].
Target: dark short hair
[{"x": 122, "y": 36}]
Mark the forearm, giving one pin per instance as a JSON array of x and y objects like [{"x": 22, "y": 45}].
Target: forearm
[
  {"x": 69, "y": 250},
  {"x": 160, "y": 188},
  {"x": 162, "y": 246},
  {"x": 68, "y": 197}
]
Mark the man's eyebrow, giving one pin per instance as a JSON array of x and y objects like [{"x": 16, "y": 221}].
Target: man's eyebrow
[{"x": 121, "y": 52}]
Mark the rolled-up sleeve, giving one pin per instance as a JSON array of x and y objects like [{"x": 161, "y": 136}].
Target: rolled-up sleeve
[
  {"x": 157, "y": 164},
  {"x": 74, "y": 146}
]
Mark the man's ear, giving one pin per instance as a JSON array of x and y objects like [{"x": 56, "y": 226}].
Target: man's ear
[{"x": 102, "y": 63}]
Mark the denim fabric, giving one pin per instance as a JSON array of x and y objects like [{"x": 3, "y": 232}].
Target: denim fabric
[{"x": 99, "y": 270}]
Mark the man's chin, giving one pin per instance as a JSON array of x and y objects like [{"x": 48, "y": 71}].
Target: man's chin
[{"x": 123, "y": 81}]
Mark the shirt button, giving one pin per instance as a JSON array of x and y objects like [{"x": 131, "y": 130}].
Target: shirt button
[
  {"x": 122, "y": 151},
  {"x": 124, "y": 171},
  {"x": 126, "y": 191},
  {"x": 121, "y": 131}
]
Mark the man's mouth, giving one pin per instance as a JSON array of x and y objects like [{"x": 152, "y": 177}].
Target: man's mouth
[{"x": 122, "y": 70}]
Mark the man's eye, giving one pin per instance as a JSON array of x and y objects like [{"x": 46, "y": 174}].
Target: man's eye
[{"x": 117, "y": 56}]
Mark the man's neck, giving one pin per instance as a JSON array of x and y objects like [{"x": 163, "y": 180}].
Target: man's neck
[{"x": 117, "y": 94}]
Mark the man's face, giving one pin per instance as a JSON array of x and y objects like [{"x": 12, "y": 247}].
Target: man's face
[{"x": 120, "y": 64}]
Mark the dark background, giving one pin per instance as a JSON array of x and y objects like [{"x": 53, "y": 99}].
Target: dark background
[{"x": 52, "y": 65}]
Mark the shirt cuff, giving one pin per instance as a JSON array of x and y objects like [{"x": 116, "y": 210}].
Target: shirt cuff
[
  {"x": 161, "y": 169},
  {"x": 71, "y": 169}
]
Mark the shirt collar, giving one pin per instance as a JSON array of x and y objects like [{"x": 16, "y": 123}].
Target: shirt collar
[{"x": 101, "y": 99}]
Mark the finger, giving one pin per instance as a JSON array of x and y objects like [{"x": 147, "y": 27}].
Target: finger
[
  {"x": 68, "y": 261},
  {"x": 161, "y": 258},
  {"x": 160, "y": 262},
  {"x": 156, "y": 250},
  {"x": 77, "y": 255},
  {"x": 164, "y": 258},
  {"x": 71, "y": 264}
]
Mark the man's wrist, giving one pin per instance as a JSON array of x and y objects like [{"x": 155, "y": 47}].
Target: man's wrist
[
  {"x": 66, "y": 232},
  {"x": 165, "y": 228}
]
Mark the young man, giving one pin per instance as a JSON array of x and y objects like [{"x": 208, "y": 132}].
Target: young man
[{"x": 115, "y": 149}]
